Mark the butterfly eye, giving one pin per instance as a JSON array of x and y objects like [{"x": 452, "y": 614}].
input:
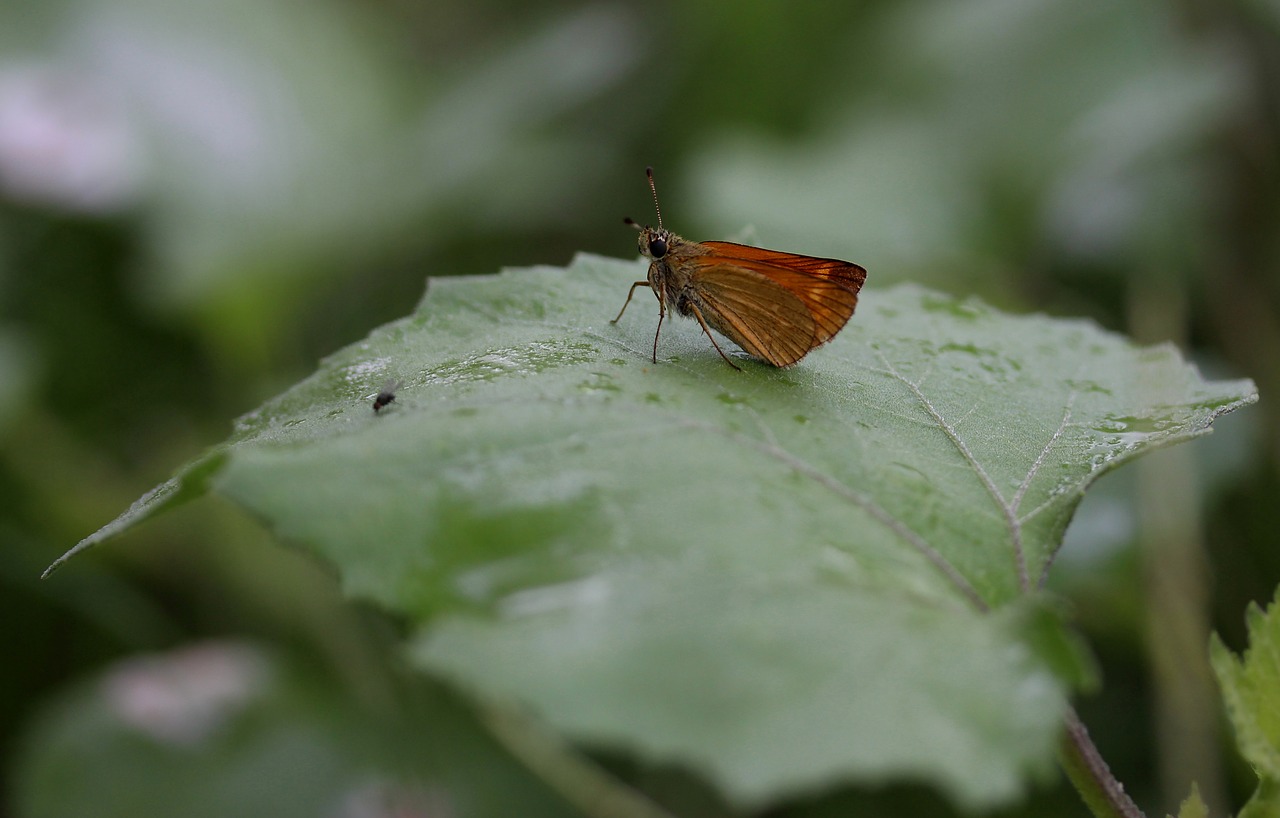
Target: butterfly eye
[{"x": 658, "y": 248}]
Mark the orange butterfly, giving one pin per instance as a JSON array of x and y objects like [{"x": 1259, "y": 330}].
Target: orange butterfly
[{"x": 776, "y": 306}]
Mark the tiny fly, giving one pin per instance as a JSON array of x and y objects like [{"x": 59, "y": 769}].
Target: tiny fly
[{"x": 386, "y": 395}]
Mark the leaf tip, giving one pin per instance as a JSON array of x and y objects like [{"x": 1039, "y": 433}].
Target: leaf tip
[{"x": 1193, "y": 806}]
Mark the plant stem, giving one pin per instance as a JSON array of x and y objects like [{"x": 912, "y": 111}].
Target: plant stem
[
  {"x": 580, "y": 782},
  {"x": 1175, "y": 569},
  {"x": 1101, "y": 792}
]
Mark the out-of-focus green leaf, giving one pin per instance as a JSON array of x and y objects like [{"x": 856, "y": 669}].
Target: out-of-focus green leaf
[
  {"x": 1265, "y": 802},
  {"x": 265, "y": 146},
  {"x": 1077, "y": 126},
  {"x": 783, "y": 578},
  {"x": 227, "y": 729},
  {"x": 16, "y": 372},
  {"x": 1251, "y": 689},
  {"x": 1193, "y": 806}
]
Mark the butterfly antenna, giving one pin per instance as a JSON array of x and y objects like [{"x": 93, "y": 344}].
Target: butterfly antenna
[{"x": 654, "y": 190}]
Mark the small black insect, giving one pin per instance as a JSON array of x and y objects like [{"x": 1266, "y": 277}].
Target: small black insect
[{"x": 386, "y": 395}]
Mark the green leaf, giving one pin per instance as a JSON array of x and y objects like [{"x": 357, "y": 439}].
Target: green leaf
[
  {"x": 785, "y": 579},
  {"x": 1265, "y": 802},
  {"x": 218, "y": 729},
  {"x": 1193, "y": 806},
  {"x": 17, "y": 373},
  {"x": 1251, "y": 690},
  {"x": 1108, "y": 166}
]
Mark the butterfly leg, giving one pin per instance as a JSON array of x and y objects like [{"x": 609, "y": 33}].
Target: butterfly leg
[
  {"x": 697, "y": 313},
  {"x": 662, "y": 313},
  {"x": 630, "y": 293}
]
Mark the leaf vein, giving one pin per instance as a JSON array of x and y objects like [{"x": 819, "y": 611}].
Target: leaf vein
[
  {"x": 1011, "y": 520},
  {"x": 771, "y": 448}
]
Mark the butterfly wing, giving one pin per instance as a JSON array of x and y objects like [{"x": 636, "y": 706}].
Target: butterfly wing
[
  {"x": 775, "y": 312},
  {"x": 849, "y": 275},
  {"x": 754, "y": 312}
]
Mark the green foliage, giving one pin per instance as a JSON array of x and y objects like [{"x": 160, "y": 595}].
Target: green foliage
[
  {"x": 1251, "y": 689},
  {"x": 783, "y": 578},
  {"x": 266, "y": 151},
  {"x": 1193, "y": 806},
  {"x": 197, "y": 200},
  {"x": 15, "y": 374},
  {"x": 222, "y": 729}
]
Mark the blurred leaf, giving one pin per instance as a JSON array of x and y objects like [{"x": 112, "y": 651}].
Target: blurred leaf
[
  {"x": 1265, "y": 802},
  {"x": 1270, "y": 9},
  {"x": 784, "y": 578},
  {"x": 1251, "y": 689},
  {"x": 1193, "y": 806},
  {"x": 990, "y": 127},
  {"x": 17, "y": 365},
  {"x": 269, "y": 144},
  {"x": 226, "y": 729},
  {"x": 483, "y": 146},
  {"x": 880, "y": 193}
]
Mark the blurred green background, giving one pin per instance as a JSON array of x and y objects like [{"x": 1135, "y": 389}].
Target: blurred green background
[{"x": 200, "y": 199}]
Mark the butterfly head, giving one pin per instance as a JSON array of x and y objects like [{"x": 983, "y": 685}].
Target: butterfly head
[{"x": 655, "y": 242}]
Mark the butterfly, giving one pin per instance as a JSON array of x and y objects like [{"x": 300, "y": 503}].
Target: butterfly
[{"x": 776, "y": 306}]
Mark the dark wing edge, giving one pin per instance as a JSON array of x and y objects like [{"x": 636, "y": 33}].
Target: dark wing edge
[{"x": 847, "y": 273}]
